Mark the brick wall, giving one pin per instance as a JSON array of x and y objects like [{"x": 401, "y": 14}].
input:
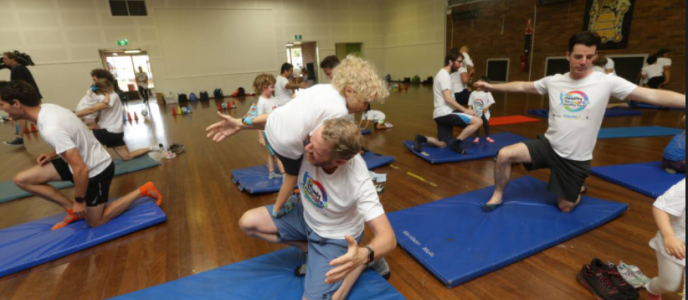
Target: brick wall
[{"x": 656, "y": 24}]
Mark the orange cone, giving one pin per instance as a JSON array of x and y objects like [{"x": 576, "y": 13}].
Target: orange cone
[
  {"x": 136, "y": 117},
  {"x": 233, "y": 104},
  {"x": 129, "y": 116},
  {"x": 33, "y": 128},
  {"x": 219, "y": 106},
  {"x": 174, "y": 112}
]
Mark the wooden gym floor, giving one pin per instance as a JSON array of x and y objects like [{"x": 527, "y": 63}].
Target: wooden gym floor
[{"x": 203, "y": 207}]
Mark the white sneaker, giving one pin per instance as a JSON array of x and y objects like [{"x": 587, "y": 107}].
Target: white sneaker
[
  {"x": 628, "y": 275},
  {"x": 389, "y": 125},
  {"x": 636, "y": 272}
]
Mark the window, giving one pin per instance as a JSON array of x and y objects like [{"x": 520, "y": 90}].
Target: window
[
  {"x": 128, "y": 8},
  {"x": 498, "y": 69}
]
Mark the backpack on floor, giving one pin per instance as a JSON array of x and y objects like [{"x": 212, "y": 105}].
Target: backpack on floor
[
  {"x": 239, "y": 92},
  {"x": 415, "y": 79},
  {"x": 182, "y": 98},
  {"x": 192, "y": 97},
  {"x": 218, "y": 94},
  {"x": 427, "y": 81},
  {"x": 204, "y": 95}
]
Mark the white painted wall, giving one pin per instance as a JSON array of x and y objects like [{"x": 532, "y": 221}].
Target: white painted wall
[{"x": 401, "y": 37}]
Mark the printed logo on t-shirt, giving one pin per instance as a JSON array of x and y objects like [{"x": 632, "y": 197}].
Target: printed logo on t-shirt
[
  {"x": 574, "y": 101},
  {"x": 479, "y": 104},
  {"x": 314, "y": 191}
]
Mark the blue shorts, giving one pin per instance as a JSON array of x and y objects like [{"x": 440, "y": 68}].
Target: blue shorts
[
  {"x": 267, "y": 144},
  {"x": 293, "y": 227}
]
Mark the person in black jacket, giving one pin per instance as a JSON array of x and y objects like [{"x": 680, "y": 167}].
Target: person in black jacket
[{"x": 19, "y": 72}]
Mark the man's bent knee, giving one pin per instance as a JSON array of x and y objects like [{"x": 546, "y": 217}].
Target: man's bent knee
[{"x": 566, "y": 206}]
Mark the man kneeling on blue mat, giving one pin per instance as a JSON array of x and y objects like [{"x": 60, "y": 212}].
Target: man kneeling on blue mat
[
  {"x": 82, "y": 160},
  {"x": 577, "y": 102},
  {"x": 337, "y": 199}
]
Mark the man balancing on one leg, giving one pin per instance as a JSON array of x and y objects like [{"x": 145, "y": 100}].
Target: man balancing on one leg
[
  {"x": 82, "y": 160},
  {"x": 449, "y": 113},
  {"x": 337, "y": 200},
  {"x": 577, "y": 102}
]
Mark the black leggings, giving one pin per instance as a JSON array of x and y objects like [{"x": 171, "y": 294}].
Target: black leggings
[
  {"x": 144, "y": 92},
  {"x": 486, "y": 126}
]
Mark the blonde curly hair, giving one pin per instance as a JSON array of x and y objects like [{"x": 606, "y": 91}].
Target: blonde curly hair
[
  {"x": 263, "y": 81},
  {"x": 344, "y": 136},
  {"x": 361, "y": 77}
]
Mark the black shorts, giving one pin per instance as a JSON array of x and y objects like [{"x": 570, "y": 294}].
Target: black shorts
[
  {"x": 291, "y": 166},
  {"x": 462, "y": 97},
  {"x": 654, "y": 82},
  {"x": 109, "y": 139},
  {"x": 445, "y": 126},
  {"x": 567, "y": 176},
  {"x": 98, "y": 189}
]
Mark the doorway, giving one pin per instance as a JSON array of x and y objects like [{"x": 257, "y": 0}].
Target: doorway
[
  {"x": 124, "y": 64},
  {"x": 304, "y": 56}
]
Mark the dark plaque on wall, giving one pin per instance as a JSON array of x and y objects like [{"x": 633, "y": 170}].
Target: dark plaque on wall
[{"x": 611, "y": 19}]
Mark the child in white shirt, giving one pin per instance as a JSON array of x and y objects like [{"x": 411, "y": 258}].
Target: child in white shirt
[
  {"x": 669, "y": 211},
  {"x": 480, "y": 101},
  {"x": 264, "y": 85},
  {"x": 376, "y": 116},
  {"x": 99, "y": 92}
]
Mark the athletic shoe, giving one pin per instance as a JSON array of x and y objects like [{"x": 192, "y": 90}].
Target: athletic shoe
[
  {"x": 621, "y": 284},
  {"x": 170, "y": 155},
  {"x": 477, "y": 140},
  {"x": 628, "y": 276},
  {"x": 456, "y": 147},
  {"x": 418, "y": 143},
  {"x": 274, "y": 175},
  {"x": 601, "y": 287},
  {"x": 288, "y": 206},
  {"x": 489, "y": 140},
  {"x": 158, "y": 148},
  {"x": 637, "y": 273},
  {"x": 176, "y": 148},
  {"x": 381, "y": 267},
  {"x": 300, "y": 271},
  {"x": 670, "y": 171},
  {"x": 389, "y": 125},
  {"x": 15, "y": 142}
]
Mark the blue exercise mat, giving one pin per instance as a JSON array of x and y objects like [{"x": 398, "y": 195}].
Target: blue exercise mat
[
  {"x": 255, "y": 179},
  {"x": 270, "y": 276},
  {"x": 634, "y": 132},
  {"x": 612, "y": 112},
  {"x": 457, "y": 242},
  {"x": 649, "y": 178},
  {"x": 650, "y": 106},
  {"x": 34, "y": 243},
  {"x": 9, "y": 191},
  {"x": 483, "y": 149},
  {"x": 366, "y": 131}
]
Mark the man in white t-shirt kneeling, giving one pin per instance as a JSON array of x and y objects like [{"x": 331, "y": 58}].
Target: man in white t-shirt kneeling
[
  {"x": 577, "y": 102},
  {"x": 82, "y": 160},
  {"x": 448, "y": 112},
  {"x": 337, "y": 199}
]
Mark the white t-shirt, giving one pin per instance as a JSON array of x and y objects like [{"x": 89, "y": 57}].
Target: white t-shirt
[
  {"x": 266, "y": 105},
  {"x": 350, "y": 117},
  {"x": 373, "y": 115},
  {"x": 282, "y": 94},
  {"x": 89, "y": 100},
  {"x": 610, "y": 65},
  {"x": 289, "y": 125},
  {"x": 457, "y": 84},
  {"x": 467, "y": 59},
  {"x": 111, "y": 118},
  {"x": 479, "y": 100},
  {"x": 673, "y": 202},
  {"x": 653, "y": 70},
  {"x": 63, "y": 130},
  {"x": 142, "y": 79},
  {"x": 598, "y": 69},
  {"x": 663, "y": 61},
  {"x": 340, "y": 203},
  {"x": 577, "y": 108},
  {"x": 443, "y": 81}
]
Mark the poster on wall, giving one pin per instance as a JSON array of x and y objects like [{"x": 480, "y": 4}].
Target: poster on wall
[{"x": 611, "y": 19}]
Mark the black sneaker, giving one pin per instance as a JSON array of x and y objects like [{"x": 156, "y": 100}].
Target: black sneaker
[
  {"x": 418, "y": 142},
  {"x": 456, "y": 147},
  {"x": 621, "y": 284},
  {"x": 599, "y": 284},
  {"x": 15, "y": 142},
  {"x": 381, "y": 267}
]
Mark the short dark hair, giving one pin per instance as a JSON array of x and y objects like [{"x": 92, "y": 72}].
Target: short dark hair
[
  {"x": 102, "y": 73},
  {"x": 329, "y": 62},
  {"x": 451, "y": 56},
  {"x": 286, "y": 67},
  {"x": 662, "y": 51},
  {"x": 651, "y": 59},
  {"x": 485, "y": 78},
  {"x": 587, "y": 38},
  {"x": 10, "y": 55},
  {"x": 21, "y": 91}
]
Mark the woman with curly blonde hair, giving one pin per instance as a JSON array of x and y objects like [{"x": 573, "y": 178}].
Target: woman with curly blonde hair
[{"x": 355, "y": 84}]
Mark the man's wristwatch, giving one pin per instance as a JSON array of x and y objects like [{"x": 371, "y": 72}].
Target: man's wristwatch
[
  {"x": 371, "y": 255},
  {"x": 79, "y": 199}
]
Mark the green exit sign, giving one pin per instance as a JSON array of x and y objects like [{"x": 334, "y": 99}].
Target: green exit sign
[
  {"x": 297, "y": 37},
  {"x": 123, "y": 42}
]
